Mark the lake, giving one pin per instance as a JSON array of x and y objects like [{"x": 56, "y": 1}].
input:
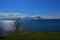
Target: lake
[{"x": 42, "y": 25}]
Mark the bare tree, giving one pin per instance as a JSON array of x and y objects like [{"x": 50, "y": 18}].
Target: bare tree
[
  {"x": 17, "y": 24},
  {"x": 1, "y": 31}
]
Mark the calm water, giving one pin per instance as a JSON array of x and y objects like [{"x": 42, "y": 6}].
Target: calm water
[
  {"x": 6, "y": 27},
  {"x": 43, "y": 25}
]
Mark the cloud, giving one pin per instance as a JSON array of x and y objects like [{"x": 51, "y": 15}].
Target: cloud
[
  {"x": 4, "y": 15},
  {"x": 16, "y": 15}
]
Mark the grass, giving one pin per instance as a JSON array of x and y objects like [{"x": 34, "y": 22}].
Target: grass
[{"x": 26, "y": 35}]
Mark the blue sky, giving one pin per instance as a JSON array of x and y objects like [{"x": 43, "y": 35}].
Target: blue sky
[{"x": 44, "y": 8}]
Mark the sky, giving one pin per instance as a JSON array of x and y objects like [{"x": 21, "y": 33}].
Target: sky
[{"x": 43, "y": 8}]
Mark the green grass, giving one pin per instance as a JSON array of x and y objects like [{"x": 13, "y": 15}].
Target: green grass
[{"x": 26, "y": 35}]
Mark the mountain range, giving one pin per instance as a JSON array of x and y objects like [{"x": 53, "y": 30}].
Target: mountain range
[{"x": 18, "y": 18}]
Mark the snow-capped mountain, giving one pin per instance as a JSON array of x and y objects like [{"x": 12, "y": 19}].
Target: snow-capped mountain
[{"x": 32, "y": 18}]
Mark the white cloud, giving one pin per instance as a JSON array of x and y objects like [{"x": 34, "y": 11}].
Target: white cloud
[
  {"x": 9, "y": 15},
  {"x": 15, "y": 15}
]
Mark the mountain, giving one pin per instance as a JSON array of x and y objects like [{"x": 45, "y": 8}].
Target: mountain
[
  {"x": 32, "y": 18},
  {"x": 28, "y": 18},
  {"x": 37, "y": 17},
  {"x": 14, "y": 17}
]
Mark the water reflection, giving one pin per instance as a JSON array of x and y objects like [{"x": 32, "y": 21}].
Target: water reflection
[{"x": 7, "y": 27}]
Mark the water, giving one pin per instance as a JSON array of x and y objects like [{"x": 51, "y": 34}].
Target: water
[
  {"x": 43, "y": 25},
  {"x": 6, "y": 27}
]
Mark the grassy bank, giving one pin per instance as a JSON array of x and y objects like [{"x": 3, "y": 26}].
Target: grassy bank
[{"x": 26, "y": 35}]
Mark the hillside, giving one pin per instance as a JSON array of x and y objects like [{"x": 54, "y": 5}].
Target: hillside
[{"x": 26, "y": 35}]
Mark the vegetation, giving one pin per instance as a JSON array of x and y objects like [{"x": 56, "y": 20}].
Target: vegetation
[{"x": 26, "y": 35}]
